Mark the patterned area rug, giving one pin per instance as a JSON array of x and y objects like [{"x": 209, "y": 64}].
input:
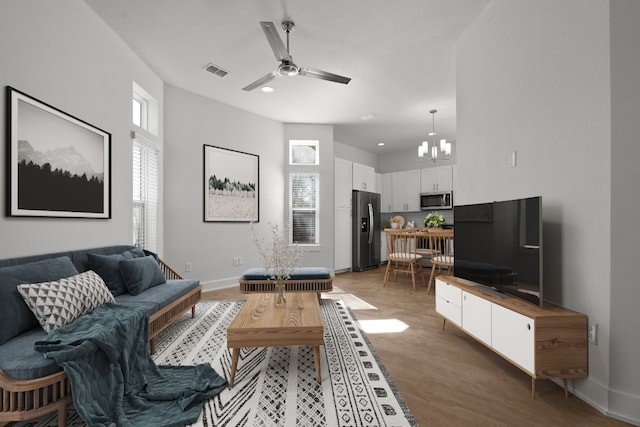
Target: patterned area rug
[{"x": 277, "y": 386}]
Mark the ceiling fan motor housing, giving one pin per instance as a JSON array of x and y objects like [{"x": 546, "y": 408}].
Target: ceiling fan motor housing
[{"x": 288, "y": 68}]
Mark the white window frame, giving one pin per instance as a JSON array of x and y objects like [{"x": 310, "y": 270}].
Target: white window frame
[
  {"x": 146, "y": 164},
  {"x": 311, "y": 167},
  {"x": 145, "y": 234},
  {"x": 304, "y": 143},
  {"x": 144, "y": 111},
  {"x": 316, "y": 209}
]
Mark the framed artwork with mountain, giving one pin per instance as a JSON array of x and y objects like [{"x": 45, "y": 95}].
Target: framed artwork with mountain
[
  {"x": 231, "y": 181},
  {"x": 57, "y": 164}
]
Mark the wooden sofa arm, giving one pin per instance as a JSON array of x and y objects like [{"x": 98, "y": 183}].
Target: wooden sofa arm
[{"x": 169, "y": 272}]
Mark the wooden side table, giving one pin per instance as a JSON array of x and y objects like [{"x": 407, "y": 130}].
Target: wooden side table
[{"x": 260, "y": 324}]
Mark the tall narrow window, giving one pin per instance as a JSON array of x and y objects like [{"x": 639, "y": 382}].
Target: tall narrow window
[
  {"x": 145, "y": 195},
  {"x": 303, "y": 200}
]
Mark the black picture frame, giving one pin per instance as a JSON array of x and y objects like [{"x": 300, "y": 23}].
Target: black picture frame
[
  {"x": 231, "y": 185},
  {"x": 57, "y": 165}
]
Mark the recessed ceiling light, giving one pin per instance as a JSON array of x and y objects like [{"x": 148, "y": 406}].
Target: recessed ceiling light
[
  {"x": 380, "y": 144},
  {"x": 267, "y": 89},
  {"x": 368, "y": 116}
]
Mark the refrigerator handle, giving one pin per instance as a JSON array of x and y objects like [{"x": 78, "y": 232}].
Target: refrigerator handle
[{"x": 370, "y": 223}]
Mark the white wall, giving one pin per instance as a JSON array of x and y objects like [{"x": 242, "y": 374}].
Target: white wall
[
  {"x": 534, "y": 77},
  {"x": 354, "y": 154},
  {"x": 191, "y": 121},
  {"x": 61, "y": 53},
  {"x": 409, "y": 160},
  {"x": 624, "y": 380}
]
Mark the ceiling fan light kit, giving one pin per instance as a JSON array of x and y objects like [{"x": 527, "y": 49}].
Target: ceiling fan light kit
[{"x": 287, "y": 67}]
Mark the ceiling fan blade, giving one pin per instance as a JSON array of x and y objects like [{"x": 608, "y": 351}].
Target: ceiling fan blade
[
  {"x": 323, "y": 75},
  {"x": 279, "y": 50},
  {"x": 261, "y": 81}
]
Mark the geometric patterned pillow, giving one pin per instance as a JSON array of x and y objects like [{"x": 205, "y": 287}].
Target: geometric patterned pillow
[{"x": 59, "y": 303}]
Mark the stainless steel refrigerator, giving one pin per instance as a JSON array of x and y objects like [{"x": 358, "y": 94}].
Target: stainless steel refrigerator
[{"x": 365, "y": 230}]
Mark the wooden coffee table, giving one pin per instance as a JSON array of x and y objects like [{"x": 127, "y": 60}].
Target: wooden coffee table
[{"x": 260, "y": 324}]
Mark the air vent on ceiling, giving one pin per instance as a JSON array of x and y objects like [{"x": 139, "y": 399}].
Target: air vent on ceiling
[{"x": 214, "y": 69}]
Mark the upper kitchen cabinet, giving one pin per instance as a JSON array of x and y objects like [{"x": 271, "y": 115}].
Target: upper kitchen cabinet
[
  {"x": 386, "y": 203},
  {"x": 405, "y": 191},
  {"x": 436, "y": 179},
  {"x": 364, "y": 178}
]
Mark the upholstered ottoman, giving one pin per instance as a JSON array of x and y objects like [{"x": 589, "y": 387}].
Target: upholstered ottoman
[{"x": 311, "y": 279}]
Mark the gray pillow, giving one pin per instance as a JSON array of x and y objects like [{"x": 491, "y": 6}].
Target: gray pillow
[
  {"x": 15, "y": 316},
  {"x": 108, "y": 267},
  {"x": 140, "y": 274},
  {"x": 59, "y": 303}
]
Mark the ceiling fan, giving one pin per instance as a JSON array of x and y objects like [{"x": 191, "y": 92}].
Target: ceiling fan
[{"x": 287, "y": 67}]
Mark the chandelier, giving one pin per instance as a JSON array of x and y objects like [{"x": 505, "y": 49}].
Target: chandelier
[{"x": 434, "y": 152}]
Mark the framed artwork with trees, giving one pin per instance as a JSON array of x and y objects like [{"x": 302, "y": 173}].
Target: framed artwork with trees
[
  {"x": 230, "y": 185},
  {"x": 57, "y": 164}
]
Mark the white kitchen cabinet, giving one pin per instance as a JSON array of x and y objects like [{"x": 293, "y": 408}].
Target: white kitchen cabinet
[
  {"x": 476, "y": 317},
  {"x": 436, "y": 179},
  {"x": 342, "y": 214},
  {"x": 512, "y": 336},
  {"x": 342, "y": 183},
  {"x": 363, "y": 178},
  {"x": 386, "y": 203},
  {"x": 383, "y": 246},
  {"x": 405, "y": 191},
  {"x": 342, "y": 240}
]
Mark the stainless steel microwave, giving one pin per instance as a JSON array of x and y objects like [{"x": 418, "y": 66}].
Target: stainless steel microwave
[{"x": 435, "y": 201}]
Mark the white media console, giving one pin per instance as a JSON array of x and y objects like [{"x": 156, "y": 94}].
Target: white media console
[{"x": 544, "y": 342}]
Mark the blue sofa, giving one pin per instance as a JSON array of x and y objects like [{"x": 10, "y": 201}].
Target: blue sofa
[{"x": 31, "y": 385}]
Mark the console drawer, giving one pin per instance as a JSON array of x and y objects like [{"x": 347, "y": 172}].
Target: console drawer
[{"x": 448, "y": 292}]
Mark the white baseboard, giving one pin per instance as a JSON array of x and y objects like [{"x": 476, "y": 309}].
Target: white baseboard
[
  {"x": 215, "y": 285},
  {"x": 614, "y": 404}
]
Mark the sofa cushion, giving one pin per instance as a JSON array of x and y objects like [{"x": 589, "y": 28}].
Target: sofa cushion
[
  {"x": 156, "y": 298},
  {"x": 140, "y": 274},
  {"x": 59, "y": 303},
  {"x": 15, "y": 316},
  {"x": 20, "y": 361},
  {"x": 108, "y": 267},
  {"x": 300, "y": 273}
]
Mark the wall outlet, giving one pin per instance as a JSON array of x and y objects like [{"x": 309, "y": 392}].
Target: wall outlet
[
  {"x": 240, "y": 260},
  {"x": 592, "y": 334},
  {"x": 188, "y": 267}
]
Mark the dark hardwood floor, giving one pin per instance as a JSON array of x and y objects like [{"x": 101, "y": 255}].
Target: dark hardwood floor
[{"x": 448, "y": 378}]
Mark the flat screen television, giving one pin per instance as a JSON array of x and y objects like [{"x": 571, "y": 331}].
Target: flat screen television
[{"x": 498, "y": 246}]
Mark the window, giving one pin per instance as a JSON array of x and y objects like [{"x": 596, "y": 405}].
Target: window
[
  {"x": 145, "y": 194},
  {"x": 303, "y": 200},
  {"x": 139, "y": 111},
  {"x": 145, "y": 169},
  {"x": 303, "y": 153}
]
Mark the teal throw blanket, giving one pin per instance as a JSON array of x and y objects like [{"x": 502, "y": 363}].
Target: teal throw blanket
[{"x": 114, "y": 380}]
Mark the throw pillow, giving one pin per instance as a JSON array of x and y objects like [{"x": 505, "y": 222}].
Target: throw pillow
[
  {"x": 108, "y": 267},
  {"x": 59, "y": 303},
  {"x": 15, "y": 316},
  {"x": 140, "y": 274}
]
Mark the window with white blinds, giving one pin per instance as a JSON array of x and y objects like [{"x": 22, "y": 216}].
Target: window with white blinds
[
  {"x": 145, "y": 195},
  {"x": 303, "y": 208}
]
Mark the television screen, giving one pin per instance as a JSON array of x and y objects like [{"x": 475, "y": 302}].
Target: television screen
[{"x": 499, "y": 245}]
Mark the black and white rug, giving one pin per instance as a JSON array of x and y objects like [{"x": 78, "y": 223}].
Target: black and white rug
[{"x": 277, "y": 386}]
